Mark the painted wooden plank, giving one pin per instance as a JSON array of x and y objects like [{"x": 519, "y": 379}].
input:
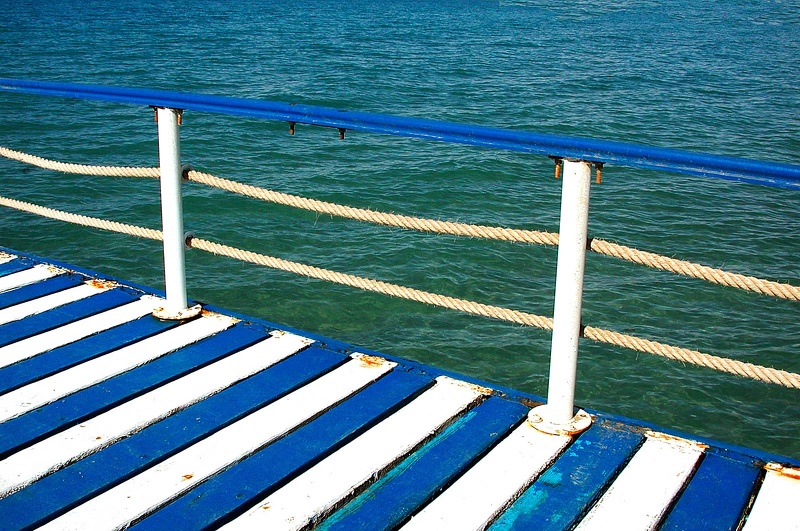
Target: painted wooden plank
[
  {"x": 15, "y": 265},
  {"x": 156, "y": 486},
  {"x": 74, "y": 331},
  {"x": 38, "y": 424},
  {"x": 775, "y": 507},
  {"x": 80, "y": 376},
  {"x": 646, "y": 487},
  {"x": 61, "y": 316},
  {"x": 476, "y": 498},
  {"x": 318, "y": 490},
  {"x": 36, "y": 273},
  {"x": 245, "y": 483},
  {"x": 53, "y": 453},
  {"x": 47, "y": 498},
  {"x": 48, "y": 363},
  {"x": 54, "y": 300},
  {"x": 39, "y": 289},
  {"x": 718, "y": 495},
  {"x": 5, "y": 257},
  {"x": 394, "y": 497},
  {"x": 557, "y": 499}
]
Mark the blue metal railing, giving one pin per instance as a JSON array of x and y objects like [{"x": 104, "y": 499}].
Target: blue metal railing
[
  {"x": 605, "y": 151},
  {"x": 578, "y": 156}
]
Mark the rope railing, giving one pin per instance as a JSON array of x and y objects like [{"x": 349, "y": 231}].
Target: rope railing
[
  {"x": 726, "y": 365},
  {"x": 79, "y": 169},
  {"x": 597, "y": 245}
]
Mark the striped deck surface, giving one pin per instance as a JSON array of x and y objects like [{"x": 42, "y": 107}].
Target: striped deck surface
[{"x": 111, "y": 418}]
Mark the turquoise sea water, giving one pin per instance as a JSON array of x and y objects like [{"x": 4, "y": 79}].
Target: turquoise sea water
[{"x": 718, "y": 77}]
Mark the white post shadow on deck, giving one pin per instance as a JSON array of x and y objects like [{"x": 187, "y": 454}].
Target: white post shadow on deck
[
  {"x": 169, "y": 156},
  {"x": 557, "y": 416}
]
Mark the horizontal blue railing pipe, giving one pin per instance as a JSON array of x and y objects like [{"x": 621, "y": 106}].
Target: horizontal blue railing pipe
[{"x": 608, "y": 152}]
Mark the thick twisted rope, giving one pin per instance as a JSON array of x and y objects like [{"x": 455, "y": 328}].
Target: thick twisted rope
[
  {"x": 80, "y": 169},
  {"x": 630, "y": 254},
  {"x": 690, "y": 269},
  {"x": 739, "y": 368},
  {"x": 380, "y": 218},
  {"x": 377, "y": 286},
  {"x": 86, "y": 221},
  {"x": 748, "y": 370}
]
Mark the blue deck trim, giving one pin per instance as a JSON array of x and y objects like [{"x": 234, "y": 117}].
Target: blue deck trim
[
  {"x": 46, "y": 420},
  {"x": 406, "y": 487},
  {"x": 43, "y": 365},
  {"x": 573, "y": 483},
  {"x": 625, "y": 154},
  {"x": 214, "y": 502},
  {"x": 69, "y": 313},
  {"x": 39, "y": 289},
  {"x": 52, "y": 495},
  {"x": 717, "y": 496},
  {"x": 14, "y": 266}
]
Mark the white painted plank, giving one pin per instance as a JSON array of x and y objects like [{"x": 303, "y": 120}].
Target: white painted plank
[
  {"x": 645, "y": 488},
  {"x": 96, "y": 370},
  {"x": 53, "y": 453},
  {"x": 775, "y": 507},
  {"x": 48, "y": 302},
  {"x": 5, "y": 257},
  {"x": 35, "y": 274},
  {"x": 316, "y": 491},
  {"x": 151, "y": 489},
  {"x": 477, "y": 497},
  {"x": 69, "y": 333}
]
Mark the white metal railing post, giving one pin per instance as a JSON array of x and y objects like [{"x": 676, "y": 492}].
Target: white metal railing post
[
  {"x": 169, "y": 156},
  {"x": 557, "y": 415}
]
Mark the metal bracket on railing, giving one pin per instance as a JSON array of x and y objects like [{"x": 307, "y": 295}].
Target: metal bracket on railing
[
  {"x": 598, "y": 167},
  {"x": 188, "y": 236},
  {"x": 178, "y": 111},
  {"x": 185, "y": 169},
  {"x": 558, "y": 161}
]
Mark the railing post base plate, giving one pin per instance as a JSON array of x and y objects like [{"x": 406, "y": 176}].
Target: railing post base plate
[
  {"x": 170, "y": 315},
  {"x": 538, "y": 418}
]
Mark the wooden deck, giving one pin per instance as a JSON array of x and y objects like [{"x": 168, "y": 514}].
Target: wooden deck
[{"x": 111, "y": 418}]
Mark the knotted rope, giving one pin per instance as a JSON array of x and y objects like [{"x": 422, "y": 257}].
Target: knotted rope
[
  {"x": 599, "y": 246},
  {"x": 748, "y": 370}
]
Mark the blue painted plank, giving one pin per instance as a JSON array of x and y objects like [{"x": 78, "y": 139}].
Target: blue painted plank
[
  {"x": 38, "y": 367},
  {"x": 74, "y": 311},
  {"x": 393, "y": 498},
  {"x": 44, "y": 421},
  {"x": 39, "y": 289},
  {"x": 573, "y": 482},
  {"x": 717, "y": 495},
  {"x": 232, "y": 491},
  {"x": 15, "y": 266},
  {"x": 55, "y": 494}
]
